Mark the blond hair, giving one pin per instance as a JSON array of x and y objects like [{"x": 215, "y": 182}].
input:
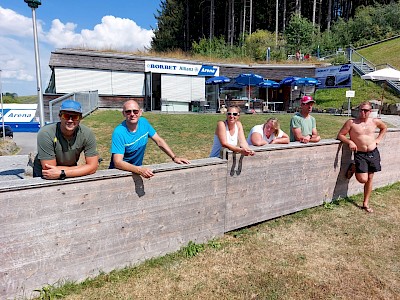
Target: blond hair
[
  {"x": 365, "y": 103},
  {"x": 234, "y": 107},
  {"x": 275, "y": 125}
]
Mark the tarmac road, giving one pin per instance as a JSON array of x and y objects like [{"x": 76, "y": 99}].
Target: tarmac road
[
  {"x": 26, "y": 141},
  {"x": 13, "y": 166}
]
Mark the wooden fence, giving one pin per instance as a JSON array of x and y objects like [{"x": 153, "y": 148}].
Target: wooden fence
[{"x": 76, "y": 228}]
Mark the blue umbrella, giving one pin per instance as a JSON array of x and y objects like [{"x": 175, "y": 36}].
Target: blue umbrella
[
  {"x": 289, "y": 80},
  {"x": 249, "y": 79},
  {"x": 307, "y": 81},
  {"x": 269, "y": 84},
  {"x": 218, "y": 80}
]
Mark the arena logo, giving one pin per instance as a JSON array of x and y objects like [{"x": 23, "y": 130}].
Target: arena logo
[
  {"x": 18, "y": 115},
  {"x": 344, "y": 68},
  {"x": 208, "y": 70}
]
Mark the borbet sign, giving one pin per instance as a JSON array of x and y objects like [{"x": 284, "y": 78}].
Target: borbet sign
[{"x": 180, "y": 68}]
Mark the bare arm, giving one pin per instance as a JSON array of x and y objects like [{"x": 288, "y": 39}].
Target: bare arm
[
  {"x": 162, "y": 144},
  {"x": 315, "y": 137},
  {"x": 382, "y": 130},
  {"x": 50, "y": 170},
  {"x": 221, "y": 134},
  {"x": 242, "y": 141},
  {"x": 299, "y": 137},
  {"x": 119, "y": 163},
  {"x": 342, "y": 135},
  {"x": 284, "y": 139},
  {"x": 257, "y": 140}
]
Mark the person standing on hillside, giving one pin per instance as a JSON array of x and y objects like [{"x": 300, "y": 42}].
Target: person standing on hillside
[
  {"x": 60, "y": 145},
  {"x": 303, "y": 127},
  {"x": 129, "y": 141},
  {"x": 364, "y": 144}
]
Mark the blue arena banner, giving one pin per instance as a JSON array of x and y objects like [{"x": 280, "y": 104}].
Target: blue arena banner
[
  {"x": 21, "y": 117},
  {"x": 335, "y": 76},
  {"x": 208, "y": 70}
]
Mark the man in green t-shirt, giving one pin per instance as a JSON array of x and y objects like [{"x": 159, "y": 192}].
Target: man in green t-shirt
[
  {"x": 303, "y": 127},
  {"x": 60, "y": 144}
]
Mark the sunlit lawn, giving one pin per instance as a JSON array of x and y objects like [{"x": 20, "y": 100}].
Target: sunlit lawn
[{"x": 191, "y": 135}]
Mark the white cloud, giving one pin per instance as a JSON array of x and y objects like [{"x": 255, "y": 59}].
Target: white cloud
[
  {"x": 17, "y": 58},
  {"x": 112, "y": 34},
  {"x": 14, "y": 24},
  {"x": 13, "y": 62}
]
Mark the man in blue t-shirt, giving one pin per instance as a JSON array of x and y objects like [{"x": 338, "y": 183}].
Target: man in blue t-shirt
[{"x": 129, "y": 141}]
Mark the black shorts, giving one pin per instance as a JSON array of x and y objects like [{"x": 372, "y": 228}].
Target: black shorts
[{"x": 367, "y": 162}]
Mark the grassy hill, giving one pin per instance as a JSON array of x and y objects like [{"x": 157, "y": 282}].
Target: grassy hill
[
  {"x": 382, "y": 53},
  {"x": 21, "y": 99}
]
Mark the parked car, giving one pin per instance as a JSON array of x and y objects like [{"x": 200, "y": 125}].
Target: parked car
[{"x": 7, "y": 129}]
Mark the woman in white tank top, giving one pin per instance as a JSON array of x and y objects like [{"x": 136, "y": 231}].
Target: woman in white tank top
[{"x": 229, "y": 133}]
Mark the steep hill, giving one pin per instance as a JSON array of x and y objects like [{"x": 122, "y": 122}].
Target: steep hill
[{"x": 382, "y": 53}]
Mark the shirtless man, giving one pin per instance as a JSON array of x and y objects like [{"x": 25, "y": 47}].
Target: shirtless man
[{"x": 364, "y": 144}]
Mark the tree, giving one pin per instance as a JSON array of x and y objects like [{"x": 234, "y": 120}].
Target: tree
[
  {"x": 170, "y": 31},
  {"x": 257, "y": 43},
  {"x": 299, "y": 35}
]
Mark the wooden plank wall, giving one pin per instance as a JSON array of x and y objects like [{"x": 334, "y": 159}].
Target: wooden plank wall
[
  {"x": 74, "y": 229},
  {"x": 282, "y": 179}
]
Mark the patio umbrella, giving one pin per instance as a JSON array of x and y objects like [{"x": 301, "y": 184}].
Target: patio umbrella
[
  {"x": 249, "y": 79},
  {"x": 307, "y": 81},
  {"x": 269, "y": 84},
  {"x": 289, "y": 80},
  {"x": 383, "y": 74},
  {"x": 218, "y": 80}
]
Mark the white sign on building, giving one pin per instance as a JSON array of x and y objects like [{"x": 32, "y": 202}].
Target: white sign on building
[{"x": 181, "y": 69}]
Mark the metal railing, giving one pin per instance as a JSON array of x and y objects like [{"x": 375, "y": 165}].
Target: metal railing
[
  {"x": 89, "y": 101},
  {"x": 363, "y": 66}
]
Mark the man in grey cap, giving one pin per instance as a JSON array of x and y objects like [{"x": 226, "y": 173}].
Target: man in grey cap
[{"x": 60, "y": 144}]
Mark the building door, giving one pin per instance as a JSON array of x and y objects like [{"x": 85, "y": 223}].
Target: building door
[{"x": 156, "y": 91}]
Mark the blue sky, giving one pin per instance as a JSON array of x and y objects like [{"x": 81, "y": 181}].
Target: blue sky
[{"x": 124, "y": 25}]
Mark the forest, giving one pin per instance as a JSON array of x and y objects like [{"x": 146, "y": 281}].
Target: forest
[{"x": 231, "y": 28}]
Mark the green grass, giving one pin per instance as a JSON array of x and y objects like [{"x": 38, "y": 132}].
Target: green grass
[
  {"x": 191, "y": 135},
  {"x": 20, "y": 99},
  {"x": 383, "y": 53},
  {"x": 336, "y": 252},
  {"x": 365, "y": 90}
]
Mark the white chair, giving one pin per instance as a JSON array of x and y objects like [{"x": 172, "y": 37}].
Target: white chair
[
  {"x": 204, "y": 106},
  {"x": 166, "y": 103}
]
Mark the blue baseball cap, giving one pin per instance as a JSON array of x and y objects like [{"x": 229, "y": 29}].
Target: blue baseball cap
[{"x": 71, "y": 105}]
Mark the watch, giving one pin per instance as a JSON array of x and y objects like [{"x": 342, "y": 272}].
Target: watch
[{"x": 62, "y": 175}]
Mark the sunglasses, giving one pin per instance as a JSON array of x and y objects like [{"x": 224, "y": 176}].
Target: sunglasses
[
  {"x": 132, "y": 111},
  {"x": 68, "y": 117},
  {"x": 365, "y": 110},
  {"x": 232, "y": 114}
]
